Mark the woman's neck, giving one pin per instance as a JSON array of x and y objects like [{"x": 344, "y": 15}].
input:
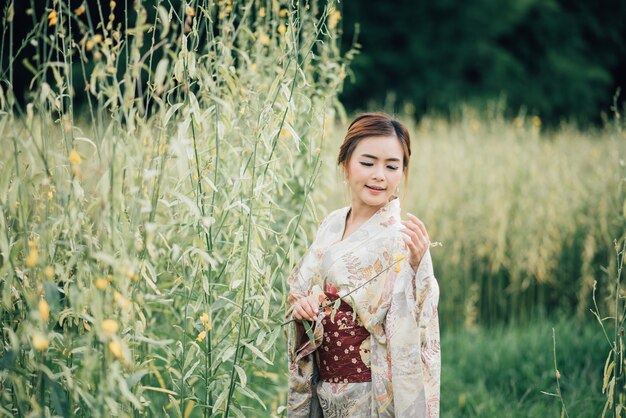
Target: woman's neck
[{"x": 360, "y": 213}]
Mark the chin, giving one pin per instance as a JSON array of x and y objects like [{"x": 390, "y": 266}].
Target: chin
[{"x": 376, "y": 201}]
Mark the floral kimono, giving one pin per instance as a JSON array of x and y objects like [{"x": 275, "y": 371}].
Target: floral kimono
[{"x": 370, "y": 271}]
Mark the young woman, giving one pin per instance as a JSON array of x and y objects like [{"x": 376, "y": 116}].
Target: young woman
[{"x": 365, "y": 341}]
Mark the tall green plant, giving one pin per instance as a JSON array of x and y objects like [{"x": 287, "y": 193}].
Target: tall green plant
[{"x": 145, "y": 240}]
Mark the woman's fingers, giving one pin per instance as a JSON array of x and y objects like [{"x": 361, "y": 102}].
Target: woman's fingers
[
  {"x": 306, "y": 308},
  {"x": 309, "y": 308},
  {"x": 419, "y": 224}
]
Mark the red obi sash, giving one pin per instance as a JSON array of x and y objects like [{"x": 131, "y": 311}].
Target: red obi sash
[{"x": 345, "y": 350}]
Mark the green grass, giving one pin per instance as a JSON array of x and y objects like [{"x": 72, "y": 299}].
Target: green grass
[{"x": 501, "y": 372}]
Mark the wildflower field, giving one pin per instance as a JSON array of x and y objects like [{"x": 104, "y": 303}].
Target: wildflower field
[
  {"x": 146, "y": 235},
  {"x": 170, "y": 164}
]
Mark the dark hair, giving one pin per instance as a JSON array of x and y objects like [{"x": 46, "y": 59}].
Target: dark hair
[{"x": 372, "y": 125}]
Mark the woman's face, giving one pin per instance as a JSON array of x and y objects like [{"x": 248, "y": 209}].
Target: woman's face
[{"x": 375, "y": 170}]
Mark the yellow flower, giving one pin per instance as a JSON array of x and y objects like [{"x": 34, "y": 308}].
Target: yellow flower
[
  {"x": 112, "y": 4},
  {"x": 201, "y": 336},
  {"x": 44, "y": 310},
  {"x": 40, "y": 343},
  {"x": 109, "y": 327},
  {"x": 206, "y": 321},
  {"x": 52, "y": 18},
  {"x": 537, "y": 121},
  {"x": 80, "y": 10},
  {"x": 262, "y": 12},
  {"x": 89, "y": 45},
  {"x": 283, "y": 12},
  {"x": 96, "y": 39},
  {"x": 264, "y": 39},
  {"x": 334, "y": 18},
  {"x": 74, "y": 157},
  {"x": 33, "y": 255},
  {"x": 189, "y": 11},
  {"x": 121, "y": 300},
  {"x": 282, "y": 29},
  {"x": 102, "y": 283},
  {"x": 49, "y": 272},
  {"x": 116, "y": 349},
  {"x": 97, "y": 55}
]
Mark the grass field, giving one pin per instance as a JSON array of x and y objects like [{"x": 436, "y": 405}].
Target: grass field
[
  {"x": 502, "y": 372},
  {"x": 146, "y": 236}
]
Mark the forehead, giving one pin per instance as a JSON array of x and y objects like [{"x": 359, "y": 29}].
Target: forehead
[{"x": 382, "y": 147}]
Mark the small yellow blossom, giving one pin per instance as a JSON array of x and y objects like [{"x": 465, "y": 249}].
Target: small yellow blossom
[
  {"x": 102, "y": 283},
  {"x": 74, "y": 157},
  {"x": 121, "y": 300},
  {"x": 116, "y": 349},
  {"x": 201, "y": 336},
  {"x": 334, "y": 18},
  {"x": 40, "y": 343},
  {"x": 206, "y": 321},
  {"x": 518, "y": 122},
  {"x": 49, "y": 272},
  {"x": 97, "y": 55},
  {"x": 558, "y": 374},
  {"x": 80, "y": 10},
  {"x": 112, "y": 4},
  {"x": 97, "y": 38},
  {"x": 89, "y": 45},
  {"x": 264, "y": 39},
  {"x": 283, "y": 12},
  {"x": 109, "y": 327},
  {"x": 190, "y": 11},
  {"x": 33, "y": 255},
  {"x": 536, "y": 121},
  {"x": 282, "y": 29},
  {"x": 52, "y": 18},
  {"x": 44, "y": 310},
  {"x": 317, "y": 151},
  {"x": 262, "y": 12}
]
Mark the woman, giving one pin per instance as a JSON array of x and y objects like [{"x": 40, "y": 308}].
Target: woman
[{"x": 365, "y": 341}]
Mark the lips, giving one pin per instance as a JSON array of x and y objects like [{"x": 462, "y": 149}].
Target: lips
[{"x": 375, "y": 188}]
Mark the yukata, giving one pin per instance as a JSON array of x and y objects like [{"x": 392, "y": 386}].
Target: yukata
[{"x": 370, "y": 272}]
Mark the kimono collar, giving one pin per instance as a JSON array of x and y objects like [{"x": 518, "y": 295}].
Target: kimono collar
[{"x": 383, "y": 218}]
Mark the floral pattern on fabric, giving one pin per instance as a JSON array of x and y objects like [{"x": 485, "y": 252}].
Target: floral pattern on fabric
[{"x": 398, "y": 307}]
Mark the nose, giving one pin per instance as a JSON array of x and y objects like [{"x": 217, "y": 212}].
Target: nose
[{"x": 378, "y": 173}]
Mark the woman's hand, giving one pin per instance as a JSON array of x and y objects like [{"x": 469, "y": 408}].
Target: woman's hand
[
  {"x": 306, "y": 308},
  {"x": 416, "y": 239}
]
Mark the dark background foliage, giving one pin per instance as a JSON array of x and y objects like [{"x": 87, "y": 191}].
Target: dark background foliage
[{"x": 560, "y": 59}]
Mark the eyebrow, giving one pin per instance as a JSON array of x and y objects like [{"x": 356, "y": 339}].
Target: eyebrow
[{"x": 376, "y": 158}]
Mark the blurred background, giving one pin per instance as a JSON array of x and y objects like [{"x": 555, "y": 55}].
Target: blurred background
[{"x": 516, "y": 114}]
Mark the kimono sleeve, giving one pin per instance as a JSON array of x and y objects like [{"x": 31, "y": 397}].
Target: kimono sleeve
[{"x": 425, "y": 312}]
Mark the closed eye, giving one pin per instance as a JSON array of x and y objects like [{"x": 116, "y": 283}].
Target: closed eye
[
  {"x": 392, "y": 167},
  {"x": 366, "y": 164}
]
